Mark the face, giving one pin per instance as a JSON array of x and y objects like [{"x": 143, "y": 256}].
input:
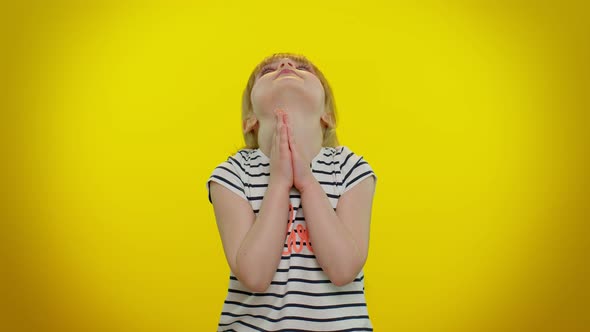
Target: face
[{"x": 273, "y": 88}]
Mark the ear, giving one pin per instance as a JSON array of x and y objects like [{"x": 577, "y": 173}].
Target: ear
[
  {"x": 251, "y": 123},
  {"x": 326, "y": 120}
]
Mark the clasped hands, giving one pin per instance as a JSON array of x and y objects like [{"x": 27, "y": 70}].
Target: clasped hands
[{"x": 288, "y": 164}]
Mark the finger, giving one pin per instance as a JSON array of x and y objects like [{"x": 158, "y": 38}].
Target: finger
[
  {"x": 290, "y": 136},
  {"x": 284, "y": 134},
  {"x": 284, "y": 137},
  {"x": 280, "y": 118},
  {"x": 277, "y": 133},
  {"x": 275, "y": 138}
]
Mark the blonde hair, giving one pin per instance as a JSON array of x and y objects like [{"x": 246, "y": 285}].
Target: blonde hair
[{"x": 329, "y": 134}]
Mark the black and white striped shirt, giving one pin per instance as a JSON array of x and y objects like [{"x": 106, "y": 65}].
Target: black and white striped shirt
[{"x": 301, "y": 296}]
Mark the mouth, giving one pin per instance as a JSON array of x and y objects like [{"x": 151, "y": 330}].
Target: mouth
[{"x": 286, "y": 72}]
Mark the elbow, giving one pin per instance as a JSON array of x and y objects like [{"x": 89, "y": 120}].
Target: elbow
[
  {"x": 257, "y": 278},
  {"x": 343, "y": 277},
  {"x": 257, "y": 286},
  {"x": 345, "y": 274},
  {"x": 253, "y": 282},
  {"x": 342, "y": 280}
]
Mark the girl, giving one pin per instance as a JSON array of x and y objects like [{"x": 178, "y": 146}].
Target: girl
[{"x": 289, "y": 270}]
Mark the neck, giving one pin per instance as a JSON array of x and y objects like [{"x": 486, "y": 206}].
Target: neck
[{"x": 307, "y": 130}]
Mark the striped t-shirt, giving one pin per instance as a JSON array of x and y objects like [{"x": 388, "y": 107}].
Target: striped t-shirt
[{"x": 301, "y": 296}]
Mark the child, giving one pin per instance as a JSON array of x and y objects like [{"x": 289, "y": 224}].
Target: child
[{"x": 291, "y": 271}]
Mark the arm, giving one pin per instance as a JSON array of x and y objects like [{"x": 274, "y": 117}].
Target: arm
[
  {"x": 340, "y": 238},
  {"x": 252, "y": 245}
]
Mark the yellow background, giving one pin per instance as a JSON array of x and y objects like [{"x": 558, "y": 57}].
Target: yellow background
[{"x": 473, "y": 115}]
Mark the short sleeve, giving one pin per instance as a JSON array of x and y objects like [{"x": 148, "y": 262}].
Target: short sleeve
[
  {"x": 353, "y": 169},
  {"x": 227, "y": 175}
]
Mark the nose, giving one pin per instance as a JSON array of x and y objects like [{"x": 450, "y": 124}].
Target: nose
[{"x": 286, "y": 62}]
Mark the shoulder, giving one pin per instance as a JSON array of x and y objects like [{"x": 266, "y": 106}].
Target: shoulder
[
  {"x": 329, "y": 153},
  {"x": 353, "y": 167},
  {"x": 242, "y": 156},
  {"x": 243, "y": 159},
  {"x": 343, "y": 150},
  {"x": 332, "y": 159},
  {"x": 231, "y": 173},
  {"x": 346, "y": 157}
]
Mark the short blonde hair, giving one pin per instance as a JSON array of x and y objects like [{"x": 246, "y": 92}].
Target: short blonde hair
[{"x": 330, "y": 138}]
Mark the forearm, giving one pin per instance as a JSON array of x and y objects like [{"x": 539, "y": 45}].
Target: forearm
[
  {"x": 260, "y": 252},
  {"x": 335, "y": 249}
]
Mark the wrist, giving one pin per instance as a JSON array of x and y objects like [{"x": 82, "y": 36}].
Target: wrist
[
  {"x": 309, "y": 182},
  {"x": 279, "y": 186}
]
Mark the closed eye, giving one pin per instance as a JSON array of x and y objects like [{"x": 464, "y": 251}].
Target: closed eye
[{"x": 266, "y": 70}]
